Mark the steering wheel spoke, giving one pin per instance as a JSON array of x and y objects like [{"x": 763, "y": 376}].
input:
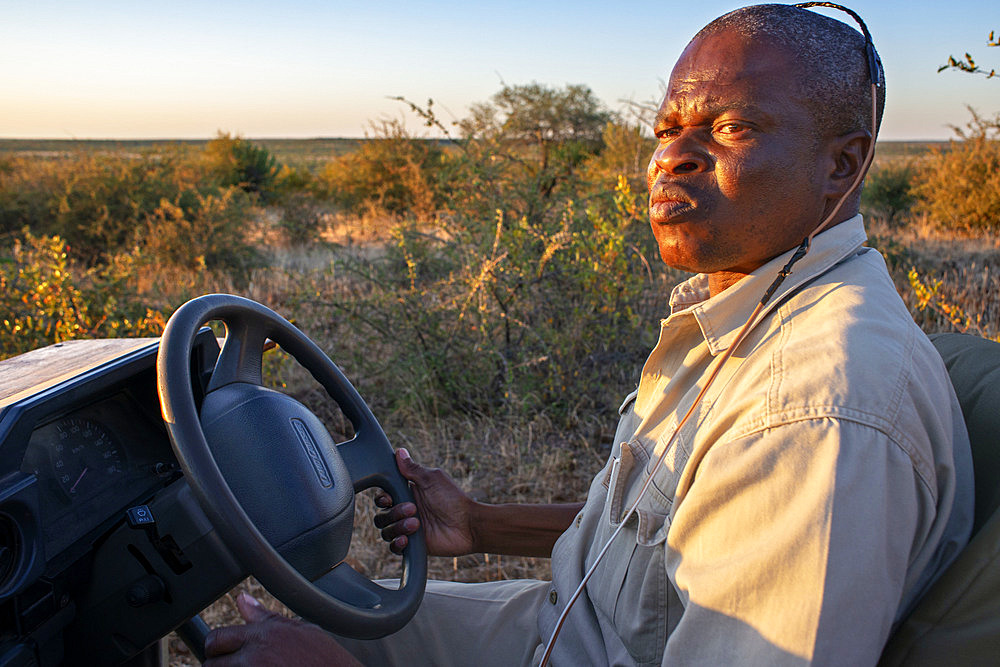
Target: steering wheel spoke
[
  {"x": 241, "y": 357},
  {"x": 368, "y": 456},
  {"x": 353, "y": 587}
]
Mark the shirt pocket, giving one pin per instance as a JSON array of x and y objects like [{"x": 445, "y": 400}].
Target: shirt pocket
[
  {"x": 629, "y": 588},
  {"x": 640, "y": 612}
]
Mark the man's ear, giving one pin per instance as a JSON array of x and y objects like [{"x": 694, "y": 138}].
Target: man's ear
[{"x": 846, "y": 159}]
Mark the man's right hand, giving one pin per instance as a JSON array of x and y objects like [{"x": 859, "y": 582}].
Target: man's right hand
[
  {"x": 455, "y": 524},
  {"x": 442, "y": 508}
]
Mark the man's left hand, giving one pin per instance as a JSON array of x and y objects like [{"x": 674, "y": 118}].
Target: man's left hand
[{"x": 270, "y": 639}]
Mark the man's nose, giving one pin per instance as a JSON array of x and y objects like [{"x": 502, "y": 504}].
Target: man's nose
[{"x": 682, "y": 155}]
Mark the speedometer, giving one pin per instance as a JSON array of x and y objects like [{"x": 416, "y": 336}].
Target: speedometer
[{"x": 85, "y": 457}]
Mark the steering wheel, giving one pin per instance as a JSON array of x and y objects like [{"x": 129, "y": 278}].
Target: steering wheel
[{"x": 276, "y": 487}]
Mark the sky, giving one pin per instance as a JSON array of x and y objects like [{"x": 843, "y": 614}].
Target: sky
[{"x": 312, "y": 68}]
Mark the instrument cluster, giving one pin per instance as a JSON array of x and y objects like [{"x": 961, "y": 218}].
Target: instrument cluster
[{"x": 92, "y": 462}]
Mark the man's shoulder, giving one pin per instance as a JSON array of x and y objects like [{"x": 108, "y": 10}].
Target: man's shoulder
[
  {"x": 846, "y": 343},
  {"x": 853, "y": 315}
]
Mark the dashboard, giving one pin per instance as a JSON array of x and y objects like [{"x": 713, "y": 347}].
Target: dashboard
[{"x": 82, "y": 444}]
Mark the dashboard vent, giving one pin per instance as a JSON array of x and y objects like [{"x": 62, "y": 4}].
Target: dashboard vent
[{"x": 10, "y": 548}]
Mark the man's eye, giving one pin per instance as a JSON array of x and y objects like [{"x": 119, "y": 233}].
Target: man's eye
[
  {"x": 730, "y": 128},
  {"x": 668, "y": 133}
]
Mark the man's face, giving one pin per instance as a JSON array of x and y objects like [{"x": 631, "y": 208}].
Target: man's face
[{"x": 734, "y": 179}]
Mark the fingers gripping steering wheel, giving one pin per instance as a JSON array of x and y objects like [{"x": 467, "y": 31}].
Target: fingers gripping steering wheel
[{"x": 272, "y": 481}]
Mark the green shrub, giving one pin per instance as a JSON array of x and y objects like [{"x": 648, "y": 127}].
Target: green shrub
[
  {"x": 525, "y": 146},
  {"x": 238, "y": 162},
  {"x": 960, "y": 188},
  {"x": 392, "y": 171},
  {"x": 96, "y": 203},
  {"x": 45, "y": 300},
  {"x": 887, "y": 193},
  {"x": 624, "y": 151},
  {"x": 102, "y": 206},
  {"x": 515, "y": 293},
  {"x": 196, "y": 232},
  {"x": 292, "y": 180},
  {"x": 521, "y": 151},
  {"x": 301, "y": 219}
]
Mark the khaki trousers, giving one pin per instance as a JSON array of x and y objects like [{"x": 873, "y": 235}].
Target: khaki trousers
[{"x": 485, "y": 624}]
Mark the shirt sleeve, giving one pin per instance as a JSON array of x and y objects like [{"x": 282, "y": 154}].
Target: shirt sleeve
[{"x": 791, "y": 547}]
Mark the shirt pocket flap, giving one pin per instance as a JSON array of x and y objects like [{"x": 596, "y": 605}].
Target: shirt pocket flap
[
  {"x": 652, "y": 527},
  {"x": 669, "y": 472}
]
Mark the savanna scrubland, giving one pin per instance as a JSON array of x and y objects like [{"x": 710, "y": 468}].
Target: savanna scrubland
[{"x": 491, "y": 294}]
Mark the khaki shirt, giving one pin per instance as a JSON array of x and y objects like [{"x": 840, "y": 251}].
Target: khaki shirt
[{"x": 836, "y": 481}]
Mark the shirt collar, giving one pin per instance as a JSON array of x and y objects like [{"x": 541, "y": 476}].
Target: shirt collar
[{"x": 720, "y": 317}]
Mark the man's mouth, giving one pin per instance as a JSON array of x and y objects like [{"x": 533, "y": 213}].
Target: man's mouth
[{"x": 663, "y": 210}]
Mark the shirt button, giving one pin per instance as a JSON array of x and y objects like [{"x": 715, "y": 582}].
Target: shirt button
[
  {"x": 579, "y": 518},
  {"x": 553, "y": 596}
]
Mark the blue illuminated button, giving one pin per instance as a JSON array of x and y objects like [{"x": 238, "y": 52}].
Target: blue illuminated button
[{"x": 139, "y": 516}]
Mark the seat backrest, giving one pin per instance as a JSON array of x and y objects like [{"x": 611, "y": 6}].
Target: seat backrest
[
  {"x": 974, "y": 366},
  {"x": 958, "y": 621}
]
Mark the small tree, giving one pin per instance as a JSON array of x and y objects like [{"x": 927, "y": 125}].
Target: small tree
[
  {"x": 546, "y": 133},
  {"x": 625, "y": 151}
]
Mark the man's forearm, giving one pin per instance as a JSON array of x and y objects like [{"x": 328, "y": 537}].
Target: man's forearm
[{"x": 521, "y": 530}]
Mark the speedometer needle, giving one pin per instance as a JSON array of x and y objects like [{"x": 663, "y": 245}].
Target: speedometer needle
[{"x": 72, "y": 489}]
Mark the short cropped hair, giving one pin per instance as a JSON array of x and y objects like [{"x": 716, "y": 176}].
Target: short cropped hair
[{"x": 833, "y": 77}]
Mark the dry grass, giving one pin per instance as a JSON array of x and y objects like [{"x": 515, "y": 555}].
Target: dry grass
[
  {"x": 933, "y": 243},
  {"x": 966, "y": 263}
]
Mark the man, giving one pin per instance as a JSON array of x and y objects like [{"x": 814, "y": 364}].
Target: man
[{"x": 822, "y": 482}]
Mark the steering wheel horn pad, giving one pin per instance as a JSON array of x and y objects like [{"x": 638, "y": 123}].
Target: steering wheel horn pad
[{"x": 268, "y": 475}]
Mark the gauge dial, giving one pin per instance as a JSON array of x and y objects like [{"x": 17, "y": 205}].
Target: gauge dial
[{"x": 85, "y": 457}]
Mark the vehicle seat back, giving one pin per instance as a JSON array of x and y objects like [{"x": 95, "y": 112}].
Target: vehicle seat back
[{"x": 958, "y": 621}]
